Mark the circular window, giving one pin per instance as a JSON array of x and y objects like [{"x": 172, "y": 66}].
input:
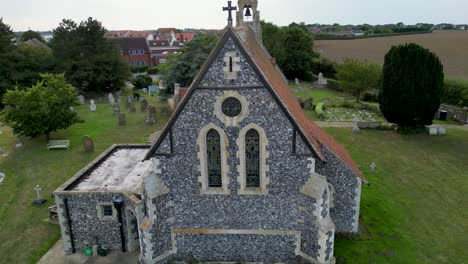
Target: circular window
[{"x": 232, "y": 107}]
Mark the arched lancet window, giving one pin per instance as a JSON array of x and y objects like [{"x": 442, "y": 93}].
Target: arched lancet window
[
  {"x": 252, "y": 159},
  {"x": 213, "y": 151}
]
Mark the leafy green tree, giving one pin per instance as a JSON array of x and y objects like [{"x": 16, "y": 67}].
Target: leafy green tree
[
  {"x": 7, "y": 37},
  {"x": 42, "y": 109},
  {"x": 28, "y": 35},
  {"x": 292, "y": 47},
  {"x": 142, "y": 81},
  {"x": 412, "y": 86},
  {"x": 6, "y": 57},
  {"x": 89, "y": 60},
  {"x": 357, "y": 76},
  {"x": 182, "y": 68},
  {"x": 29, "y": 62}
]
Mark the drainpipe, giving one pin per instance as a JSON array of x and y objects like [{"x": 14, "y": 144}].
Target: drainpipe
[
  {"x": 67, "y": 214},
  {"x": 118, "y": 204}
]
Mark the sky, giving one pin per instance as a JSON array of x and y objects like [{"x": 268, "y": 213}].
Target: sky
[{"x": 43, "y": 15}]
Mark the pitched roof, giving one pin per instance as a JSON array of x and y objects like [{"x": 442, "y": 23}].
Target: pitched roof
[
  {"x": 127, "y": 44},
  {"x": 272, "y": 75}
]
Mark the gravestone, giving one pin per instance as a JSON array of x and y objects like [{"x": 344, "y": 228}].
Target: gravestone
[
  {"x": 321, "y": 80},
  {"x": 122, "y": 119},
  {"x": 116, "y": 109},
  {"x": 88, "y": 144},
  {"x": 162, "y": 85},
  {"x": 372, "y": 167},
  {"x": 119, "y": 99},
  {"x": 39, "y": 199},
  {"x": 356, "y": 128},
  {"x": 142, "y": 98},
  {"x": 111, "y": 99},
  {"x": 19, "y": 143},
  {"x": 2, "y": 178},
  {"x": 433, "y": 131},
  {"x": 145, "y": 90},
  {"x": 296, "y": 81},
  {"x": 132, "y": 108},
  {"x": 300, "y": 101},
  {"x": 308, "y": 104},
  {"x": 81, "y": 98},
  {"x": 92, "y": 106},
  {"x": 144, "y": 105},
  {"x": 442, "y": 131},
  {"x": 151, "y": 117}
]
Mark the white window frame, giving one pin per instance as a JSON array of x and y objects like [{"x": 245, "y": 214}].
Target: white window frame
[{"x": 100, "y": 212}]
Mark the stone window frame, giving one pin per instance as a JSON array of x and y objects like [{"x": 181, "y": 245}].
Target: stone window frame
[
  {"x": 231, "y": 121},
  {"x": 232, "y": 66},
  {"x": 203, "y": 159},
  {"x": 264, "y": 168},
  {"x": 100, "y": 212}
]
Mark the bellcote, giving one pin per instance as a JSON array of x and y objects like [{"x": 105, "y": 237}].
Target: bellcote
[{"x": 249, "y": 16}]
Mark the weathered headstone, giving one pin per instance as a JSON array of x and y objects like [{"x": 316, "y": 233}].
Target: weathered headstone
[
  {"x": 88, "y": 144},
  {"x": 39, "y": 199},
  {"x": 19, "y": 143},
  {"x": 296, "y": 81},
  {"x": 92, "y": 106},
  {"x": 356, "y": 128},
  {"x": 308, "y": 104},
  {"x": 321, "y": 80},
  {"x": 2, "y": 178},
  {"x": 441, "y": 130},
  {"x": 372, "y": 167},
  {"x": 111, "y": 99},
  {"x": 132, "y": 108},
  {"x": 141, "y": 98},
  {"x": 151, "y": 117},
  {"x": 81, "y": 99},
  {"x": 122, "y": 119},
  {"x": 433, "y": 131},
  {"x": 144, "y": 105},
  {"x": 116, "y": 109},
  {"x": 162, "y": 85},
  {"x": 119, "y": 99}
]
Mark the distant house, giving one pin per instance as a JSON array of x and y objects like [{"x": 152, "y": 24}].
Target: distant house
[
  {"x": 160, "y": 49},
  {"x": 134, "y": 49},
  {"x": 36, "y": 43},
  {"x": 129, "y": 34}
]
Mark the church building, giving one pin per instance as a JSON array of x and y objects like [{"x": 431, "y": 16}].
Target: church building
[{"x": 238, "y": 174}]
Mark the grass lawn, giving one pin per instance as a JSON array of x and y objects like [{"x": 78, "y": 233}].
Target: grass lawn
[
  {"x": 305, "y": 91},
  {"x": 24, "y": 236},
  {"x": 415, "y": 209}
]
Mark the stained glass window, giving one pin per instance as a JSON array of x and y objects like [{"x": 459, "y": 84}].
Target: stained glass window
[
  {"x": 213, "y": 149},
  {"x": 252, "y": 159},
  {"x": 232, "y": 107}
]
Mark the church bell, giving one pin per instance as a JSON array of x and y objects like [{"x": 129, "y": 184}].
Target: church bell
[{"x": 247, "y": 11}]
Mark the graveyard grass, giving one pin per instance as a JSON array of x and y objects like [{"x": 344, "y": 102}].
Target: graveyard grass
[
  {"x": 414, "y": 210},
  {"x": 24, "y": 237}
]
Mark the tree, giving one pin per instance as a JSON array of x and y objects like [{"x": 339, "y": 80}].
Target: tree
[
  {"x": 142, "y": 81},
  {"x": 89, "y": 60},
  {"x": 42, "y": 109},
  {"x": 28, "y": 35},
  {"x": 6, "y": 57},
  {"x": 6, "y": 37},
  {"x": 412, "y": 86},
  {"x": 182, "y": 68},
  {"x": 357, "y": 77},
  {"x": 292, "y": 47}
]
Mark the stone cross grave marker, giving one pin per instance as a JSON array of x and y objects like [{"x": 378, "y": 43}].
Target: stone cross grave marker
[
  {"x": 92, "y": 106},
  {"x": 372, "y": 167},
  {"x": 39, "y": 199},
  {"x": 81, "y": 98},
  {"x": 144, "y": 105},
  {"x": 308, "y": 104},
  {"x": 111, "y": 99},
  {"x": 151, "y": 117},
  {"x": 122, "y": 119},
  {"x": 296, "y": 81},
  {"x": 88, "y": 144}
]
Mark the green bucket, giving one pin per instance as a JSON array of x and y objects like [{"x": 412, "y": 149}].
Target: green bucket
[{"x": 88, "y": 251}]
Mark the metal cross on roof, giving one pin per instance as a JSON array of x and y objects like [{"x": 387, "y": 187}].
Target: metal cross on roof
[{"x": 230, "y": 8}]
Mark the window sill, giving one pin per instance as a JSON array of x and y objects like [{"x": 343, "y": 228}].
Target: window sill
[
  {"x": 253, "y": 191},
  {"x": 215, "y": 191}
]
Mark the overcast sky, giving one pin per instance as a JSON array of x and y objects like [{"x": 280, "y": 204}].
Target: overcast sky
[{"x": 152, "y": 14}]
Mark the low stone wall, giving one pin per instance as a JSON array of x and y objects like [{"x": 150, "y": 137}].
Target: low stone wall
[
  {"x": 364, "y": 125},
  {"x": 454, "y": 113}
]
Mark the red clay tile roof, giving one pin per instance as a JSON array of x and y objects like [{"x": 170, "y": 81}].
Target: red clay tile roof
[{"x": 271, "y": 73}]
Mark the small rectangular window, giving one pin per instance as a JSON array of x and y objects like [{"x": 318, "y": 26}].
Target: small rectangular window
[
  {"x": 107, "y": 210},
  {"x": 230, "y": 64},
  {"x": 130, "y": 52},
  {"x": 142, "y": 51},
  {"x": 137, "y": 52},
  {"x": 138, "y": 63},
  {"x": 142, "y": 63}
]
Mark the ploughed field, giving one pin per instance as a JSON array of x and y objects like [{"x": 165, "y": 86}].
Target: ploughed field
[{"x": 450, "y": 46}]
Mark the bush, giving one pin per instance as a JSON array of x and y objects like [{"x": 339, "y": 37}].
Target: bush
[
  {"x": 319, "y": 109},
  {"x": 138, "y": 69},
  {"x": 324, "y": 66},
  {"x": 412, "y": 86},
  {"x": 334, "y": 85},
  {"x": 142, "y": 81},
  {"x": 369, "y": 96},
  {"x": 455, "y": 92},
  {"x": 152, "y": 70}
]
